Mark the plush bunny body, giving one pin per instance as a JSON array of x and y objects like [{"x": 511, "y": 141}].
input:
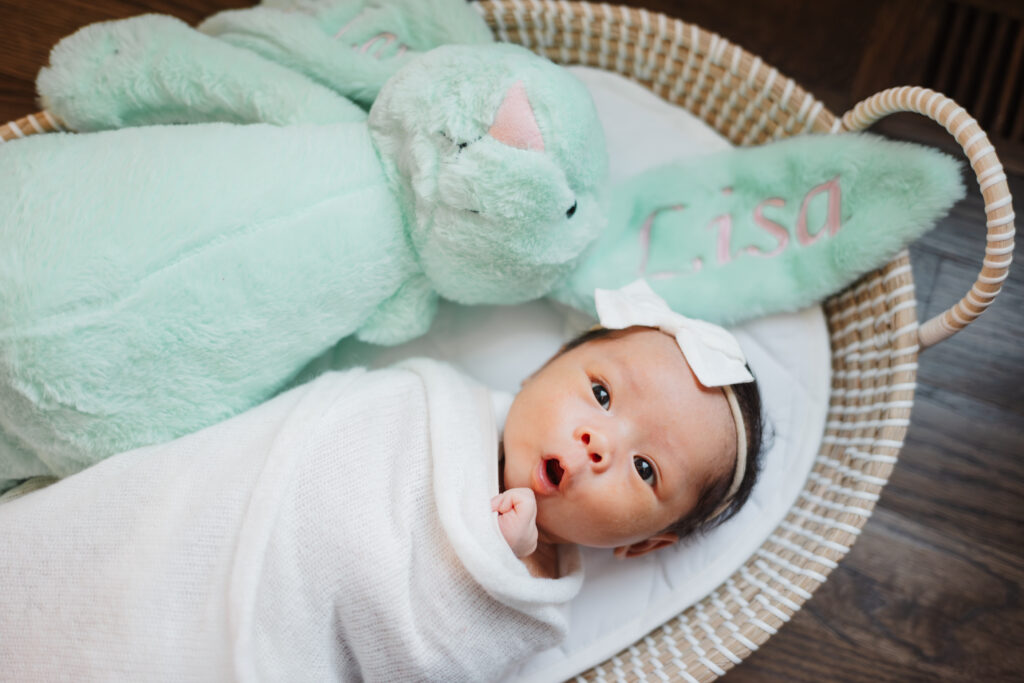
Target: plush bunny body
[
  {"x": 138, "y": 304},
  {"x": 201, "y": 303}
]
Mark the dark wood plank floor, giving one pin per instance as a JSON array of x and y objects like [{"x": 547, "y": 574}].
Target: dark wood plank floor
[{"x": 932, "y": 591}]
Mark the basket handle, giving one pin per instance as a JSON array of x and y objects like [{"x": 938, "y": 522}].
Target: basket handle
[
  {"x": 994, "y": 190},
  {"x": 33, "y": 124}
]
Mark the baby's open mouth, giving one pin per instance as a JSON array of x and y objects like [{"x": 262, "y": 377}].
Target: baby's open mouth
[{"x": 554, "y": 471}]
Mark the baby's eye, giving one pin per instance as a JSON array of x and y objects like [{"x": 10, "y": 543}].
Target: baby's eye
[
  {"x": 604, "y": 399},
  {"x": 644, "y": 468}
]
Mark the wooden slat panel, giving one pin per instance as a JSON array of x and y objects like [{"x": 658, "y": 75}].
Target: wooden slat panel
[
  {"x": 947, "y": 48},
  {"x": 992, "y": 82},
  {"x": 1014, "y": 70},
  {"x": 977, "y": 61}
]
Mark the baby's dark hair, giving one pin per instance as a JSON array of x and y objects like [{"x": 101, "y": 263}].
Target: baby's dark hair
[{"x": 702, "y": 517}]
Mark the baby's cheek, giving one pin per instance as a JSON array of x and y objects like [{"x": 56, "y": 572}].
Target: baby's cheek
[
  {"x": 633, "y": 516},
  {"x": 628, "y": 523},
  {"x": 597, "y": 521}
]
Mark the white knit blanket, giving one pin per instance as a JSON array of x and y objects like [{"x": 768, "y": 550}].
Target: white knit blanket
[{"x": 339, "y": 532}]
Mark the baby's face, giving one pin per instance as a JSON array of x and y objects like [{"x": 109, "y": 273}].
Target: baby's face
[{"x": 616, "y": 438}]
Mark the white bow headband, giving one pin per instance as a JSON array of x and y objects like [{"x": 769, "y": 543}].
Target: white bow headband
[{"x": 711, "y": 351}]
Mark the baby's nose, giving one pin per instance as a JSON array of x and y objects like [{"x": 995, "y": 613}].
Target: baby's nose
[{"x": 597, "y": 446}]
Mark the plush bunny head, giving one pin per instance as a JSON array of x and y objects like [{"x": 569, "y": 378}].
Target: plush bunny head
[{"x": 499, "y": 159}]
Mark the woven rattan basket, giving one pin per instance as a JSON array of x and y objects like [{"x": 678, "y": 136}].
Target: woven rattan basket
[{"x": 873, "y": 326}]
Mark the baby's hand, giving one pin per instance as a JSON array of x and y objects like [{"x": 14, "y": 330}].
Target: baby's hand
[{"x": 517, "y": 517}]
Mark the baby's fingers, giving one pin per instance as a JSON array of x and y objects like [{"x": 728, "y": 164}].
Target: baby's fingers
[
  {"x": 517, "y": 515},
  {"x": 520, "y": 500},
  {"x": 502, "y": 503}
]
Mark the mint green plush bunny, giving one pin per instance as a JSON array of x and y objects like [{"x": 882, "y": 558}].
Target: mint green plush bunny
[{"x": 155, "y": 279}]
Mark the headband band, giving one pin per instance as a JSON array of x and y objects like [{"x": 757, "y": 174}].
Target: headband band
[
  {"x": 711, "y": 351},
  {"x": 741, "y": 451}
]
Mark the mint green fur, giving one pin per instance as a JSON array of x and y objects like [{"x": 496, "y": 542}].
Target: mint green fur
[
  {"x": 154, "y": 69},
  {"x": 155, "y": 280},
  {"x": 891, "y": 193},
  {"x": 510, "y": 192},
  {"x": 301, "y": 35}
]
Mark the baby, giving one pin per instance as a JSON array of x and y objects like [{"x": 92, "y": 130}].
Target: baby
[
  {"x": 634, "y": 435},
  {"x": 341, "y": 531}
]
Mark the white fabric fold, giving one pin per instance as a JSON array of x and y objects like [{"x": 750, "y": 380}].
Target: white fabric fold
[{"x": 342, "y": 531}]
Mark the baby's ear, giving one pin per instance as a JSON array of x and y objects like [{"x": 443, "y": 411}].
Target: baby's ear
[{"x": 646, "y": 546}]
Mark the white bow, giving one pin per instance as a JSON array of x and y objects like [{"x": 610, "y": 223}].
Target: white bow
[{"x": 712, "y": 352}]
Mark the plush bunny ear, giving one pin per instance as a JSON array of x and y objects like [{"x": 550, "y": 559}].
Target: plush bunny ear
[
  {"x": 753, "y": 231},
  {"x": 514, "y": 124}
]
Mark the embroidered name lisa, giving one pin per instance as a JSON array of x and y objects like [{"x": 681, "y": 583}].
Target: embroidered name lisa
[{"x": 722, "y": 227}]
